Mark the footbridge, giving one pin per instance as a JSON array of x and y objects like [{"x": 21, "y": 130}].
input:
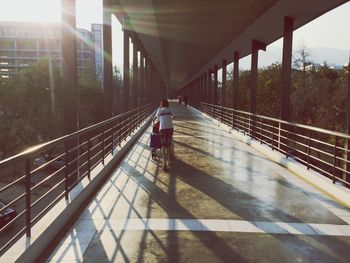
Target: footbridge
[
  {"x": 242, "y": 187},
  {"x": 226, "y": 198}
]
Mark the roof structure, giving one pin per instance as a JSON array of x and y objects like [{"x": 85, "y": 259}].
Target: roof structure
[{"x": 185, "y": 38}]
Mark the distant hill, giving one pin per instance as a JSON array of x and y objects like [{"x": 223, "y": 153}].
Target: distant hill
[{"x": 273, "y": 54}]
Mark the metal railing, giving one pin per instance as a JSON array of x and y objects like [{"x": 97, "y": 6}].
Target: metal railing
[
  {"x": 41, "y": 176},
  {"x": 324, "y": 151}
]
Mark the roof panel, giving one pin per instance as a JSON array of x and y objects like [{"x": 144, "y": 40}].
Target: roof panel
[{"x": 186, "y": 37}]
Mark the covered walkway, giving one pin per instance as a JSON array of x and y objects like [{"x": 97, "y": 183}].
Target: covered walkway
[{"x": 220, "y": 202}]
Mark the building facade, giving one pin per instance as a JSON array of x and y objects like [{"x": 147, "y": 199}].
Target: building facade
[
  {"x": 22, "y": 44},
  {"x": 96, "y": 30}
]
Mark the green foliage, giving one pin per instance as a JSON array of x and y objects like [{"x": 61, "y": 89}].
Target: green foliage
[
  {"x": 318, "y": 95},
  {"x": 90, "y": 105},
  {"x": 25, "y": 109},
  {"x": 243, "y": 90},
  {"x": 27, "y": 115},
  {"x": 268, "y": 91},
  {"x": 118, "y": 98}
]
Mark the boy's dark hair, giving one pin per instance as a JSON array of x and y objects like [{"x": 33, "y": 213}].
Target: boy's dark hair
[{"x": 164, "y": 103}]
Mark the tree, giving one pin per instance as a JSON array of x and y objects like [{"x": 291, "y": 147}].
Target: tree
[
  {"x": 118, "y": 91},
  {"x": 268, "y": 90},
  {"x": 243, "y": 90},
  {"x": 90, "y": 102},
  {"x": 25, "y": 105},
  {"x": 302, "y": 58}
]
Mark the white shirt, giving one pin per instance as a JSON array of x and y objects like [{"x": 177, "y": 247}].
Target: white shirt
[{"x": 165, "y": 117}]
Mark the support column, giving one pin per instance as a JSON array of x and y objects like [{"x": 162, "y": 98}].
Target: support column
[
  {"x": 155, "y": 83},
  {"x": 347, "y": 126},
  {"x": 347, "y": 121},
  {"x": 286, "y": 82},
  {"x": 70, "y": 86},
  {"x": 235, "y": 80},
  {"x": 256, "y": 46},
  {"x": 107, "y": 60},
  {"x": 151, "y": 82},
  {"x": 286, "y": 68},
  {"x": 142, "y": 79},
  {"x": 201, "y": 88},
  {"x": 69, "y": 61},
  {"x": 223, "y": 87},
  {"x": 126, "y": 68},
  {"x": 147, "y": 77},
  {"x": 205, "y": 93},
  {"x": 210, "y": 97},
  {"x": 215, "y": 89},
  {"x": 197, "y": 91},
  {"x": 166, "y": 91},
  {"x": 135, "y": 66}
]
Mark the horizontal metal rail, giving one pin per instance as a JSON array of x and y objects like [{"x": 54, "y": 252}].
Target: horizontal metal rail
[
  {"x": 327, "y": 152},
  {"x": 47, "y": 172}
]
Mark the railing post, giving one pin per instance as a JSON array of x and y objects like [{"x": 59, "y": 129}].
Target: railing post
[
  {"x": 335, "y": 158},
  {"x": 346, "y": 158},
  {"x": 66, "y": 175},
  {"x": 112, "y": 136},
  {"x": 279, "y": 136},
  {"x": 222, "y": 114},
  {"x": 308, "y": 150},
  {"x": 89, "y": 158},
  {"x": 28, "y": 194},
  {"x": 138, "y": 118},
  {"x": 128, "y": 129},
  {"x": 119, "y": 134},
  {"x": 273, "y": 137},
  {"x": 233, "y": 119},
  {"x": 261, "y": 130}
]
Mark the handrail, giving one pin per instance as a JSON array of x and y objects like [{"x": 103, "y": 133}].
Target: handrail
[
  {"x": 326, "y": 151},
  {"x": 42, "y": 147},
  {"x": 70, "y": 164},
  {"x": 316, "y": 129}
]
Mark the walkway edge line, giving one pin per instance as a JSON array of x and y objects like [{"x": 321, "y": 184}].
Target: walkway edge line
[
  {"x": 338, "y": 192},
  {"x": 43, "y": 245}
]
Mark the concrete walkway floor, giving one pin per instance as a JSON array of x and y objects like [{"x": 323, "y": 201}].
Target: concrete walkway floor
[{"x": 221, "y": 201}]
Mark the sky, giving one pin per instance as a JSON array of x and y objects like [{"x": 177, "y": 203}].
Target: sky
[{"x": 329, "y": 30}]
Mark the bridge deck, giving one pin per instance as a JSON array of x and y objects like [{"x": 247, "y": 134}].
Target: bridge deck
[{"x": 220, "y": 202}]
